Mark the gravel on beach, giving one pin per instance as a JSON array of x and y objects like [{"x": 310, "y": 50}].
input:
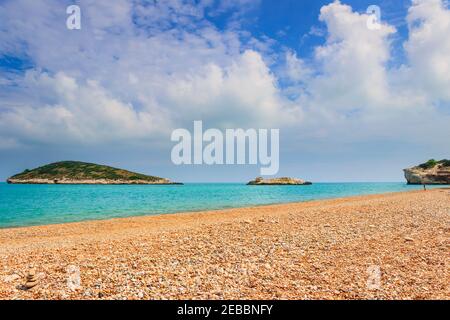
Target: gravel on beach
[{"x": 391, "y": 246}]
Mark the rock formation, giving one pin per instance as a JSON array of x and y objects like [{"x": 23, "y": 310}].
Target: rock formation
[
  {"x": 31, "y": 280},
  {"x": 278, "y": 181},
  {"x": 431, "y": 172}
]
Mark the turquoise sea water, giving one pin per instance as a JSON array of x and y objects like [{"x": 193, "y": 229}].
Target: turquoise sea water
[{"x": 25, "y": 205}]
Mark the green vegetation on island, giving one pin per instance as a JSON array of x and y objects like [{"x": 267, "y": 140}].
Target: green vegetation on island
[
  {"x": 76, "y": 172},
  {"x": 433, "y": 163}
]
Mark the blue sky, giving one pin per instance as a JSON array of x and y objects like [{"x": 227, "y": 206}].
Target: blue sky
[{"x": 351, "y": 103}]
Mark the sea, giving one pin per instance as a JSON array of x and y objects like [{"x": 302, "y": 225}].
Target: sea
[{"x": 30, "y": 205}]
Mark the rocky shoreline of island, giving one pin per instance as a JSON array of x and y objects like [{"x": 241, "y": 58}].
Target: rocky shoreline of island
[{"x": 93, "y": 182}]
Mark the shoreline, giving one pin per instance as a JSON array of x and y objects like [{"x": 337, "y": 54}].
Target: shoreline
[
  {"x": 195, "y": 211},
  {"x": 205, "y": 212},
  {"x": 121, "y": 222},
  {"x": 282, "y": 251}
]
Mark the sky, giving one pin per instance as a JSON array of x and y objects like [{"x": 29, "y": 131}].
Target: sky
[{"x": 352, "y": 103}]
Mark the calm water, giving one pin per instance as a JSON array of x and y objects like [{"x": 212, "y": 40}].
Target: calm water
[{"x": 24, "y": 205}]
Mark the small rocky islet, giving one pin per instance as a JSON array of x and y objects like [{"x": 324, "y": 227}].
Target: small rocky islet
[
  {"x": 279, "y": 182},
  {"x": 431, "y": 172},
  {"x": 76, "y": 172}
]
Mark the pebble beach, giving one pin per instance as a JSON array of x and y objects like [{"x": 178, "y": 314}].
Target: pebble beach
[{"x": 388, "y": 246}]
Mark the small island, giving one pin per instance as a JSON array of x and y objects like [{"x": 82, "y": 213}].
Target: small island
[
  {"x": 430, "y": 172},
  {"x": 278, "y": 182},
  {"x": 76, "y": 172}
]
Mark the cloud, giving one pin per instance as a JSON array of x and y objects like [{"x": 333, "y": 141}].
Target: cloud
[
  {"x": 136, "y": 70},
  {"x": 296, "y": 69},
  {"x": 349, "y": 85},
  {"x": 428, "y": 48},
  {"x": 353, "y": 73},
  {"x": 70, "y": 110},
  {"x": 73, "y": 112},
  {"x": 242, "y": 94},
  {"x": 117, "y": 79}
]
